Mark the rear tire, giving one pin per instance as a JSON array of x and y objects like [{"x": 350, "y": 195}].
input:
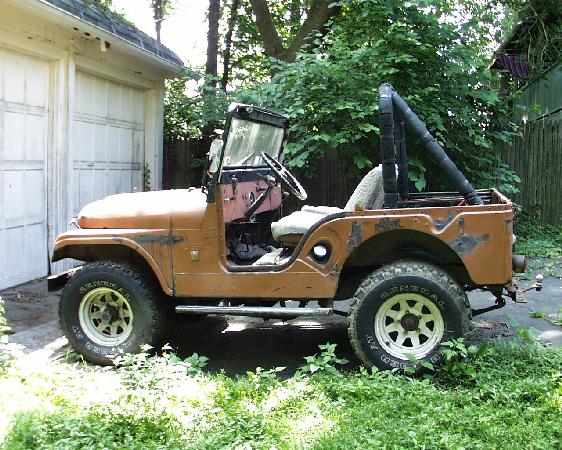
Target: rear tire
[
  {"x": 406, "y": 308},
  {"x": 106, "y": 308}
]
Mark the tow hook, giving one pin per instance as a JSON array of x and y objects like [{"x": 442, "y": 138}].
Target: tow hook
[
  {"x": 537, "y": 285},
  {"x": 512, "y": 289}
]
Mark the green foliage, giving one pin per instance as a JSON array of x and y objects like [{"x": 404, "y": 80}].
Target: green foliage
[
  {"x": 147, "y": 185},
  {"x": 249, "y": 63},
  {"x": 143, "y": 371},
  {"x": 161, "y": 8},
  {"x": 187, "y": 117},
  {"x": 437, "y": 63},
  {"x": 5, "y": 356},
  {"x": 514, "y": 400},
  {"x": 323, "y": 363},
  {"x": 537, "y": 315},
  {"x": 460, "y": 360},
  {"x": 535, "y": 240}
]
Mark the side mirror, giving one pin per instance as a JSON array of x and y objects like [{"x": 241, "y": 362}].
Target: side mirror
[
  {"x": 213, "y": 160},
  {"x": 213, "y": 156}
]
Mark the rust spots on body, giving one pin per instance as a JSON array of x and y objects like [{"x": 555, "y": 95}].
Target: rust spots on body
[
  {"x": 153, "y": 239},
  {"x": 445, "y": 221},
  {"x": 355, "y": 236},
  {"x": 387, "y": 224},
  {"x": 465, "y": 244}
]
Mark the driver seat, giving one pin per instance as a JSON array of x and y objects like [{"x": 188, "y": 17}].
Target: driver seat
[{"x": 368, "y": 194}]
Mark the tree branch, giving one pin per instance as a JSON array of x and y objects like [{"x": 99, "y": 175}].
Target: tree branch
[
  {"x": 316, "y": 18},
  {"x": 272, "y": 42}
]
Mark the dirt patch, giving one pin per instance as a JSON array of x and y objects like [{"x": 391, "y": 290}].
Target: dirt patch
[{"x": 29, "y": 305}]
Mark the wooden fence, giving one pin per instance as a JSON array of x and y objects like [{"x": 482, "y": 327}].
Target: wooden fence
[{"x": 536, "y": 157}]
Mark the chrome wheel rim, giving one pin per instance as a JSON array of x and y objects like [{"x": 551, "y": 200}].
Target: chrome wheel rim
[
  {"x": 409, "y": 324},
  {"x": 106, "y": 316}
]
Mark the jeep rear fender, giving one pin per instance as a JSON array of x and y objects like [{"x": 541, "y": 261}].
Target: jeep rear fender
[{"x": 151, "y": 249}]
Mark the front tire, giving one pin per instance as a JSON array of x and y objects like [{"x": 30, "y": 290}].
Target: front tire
[
  {"x": 106, "y": 308},
  {"x": 406, "y": 309}
]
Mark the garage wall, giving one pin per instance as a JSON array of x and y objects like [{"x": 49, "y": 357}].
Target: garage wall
[
  {"x": 24, "y": 124},
  {"x": 107, "y": 140},
  {"x": 77, "y": 123}
]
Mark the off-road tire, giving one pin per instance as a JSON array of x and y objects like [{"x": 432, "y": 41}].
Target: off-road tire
[
  {"x": 144, "y": 300},
  {"x": 422, "y": 280}
]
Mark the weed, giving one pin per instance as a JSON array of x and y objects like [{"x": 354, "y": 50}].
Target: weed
[
  {"x": 497, "y": 396},
  {"x": 537, "y": 315},
  {"x": 325, "y": 362},
  {"x": 5, "y": 354},
  {"x": 535, "y": 240}
]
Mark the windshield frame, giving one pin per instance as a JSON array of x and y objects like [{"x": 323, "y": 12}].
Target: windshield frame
[
  {"x": 258, "y": 115},
  {"x": 253, "y": 114}
]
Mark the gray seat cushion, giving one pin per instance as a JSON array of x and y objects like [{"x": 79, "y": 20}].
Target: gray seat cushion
[
  {"x": 367, "y": 195},
  {"x": 273, "y": 258},
  {"x": 296, "y": 223}
]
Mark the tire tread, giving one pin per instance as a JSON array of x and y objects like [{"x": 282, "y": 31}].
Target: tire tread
[{"x": 406, "y": 267}]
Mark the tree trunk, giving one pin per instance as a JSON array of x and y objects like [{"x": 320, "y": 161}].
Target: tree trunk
[
  {"x": 158, "y": 25},
  {"x": 228, "y": 43},
  {"x": 271, "y": 40},
  {"x": 213, "y": 38},
  {"x": 158, "y": 10},
  {"x": 316, "y": 18}
]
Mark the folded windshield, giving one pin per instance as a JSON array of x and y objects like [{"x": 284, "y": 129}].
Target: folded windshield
[{"x": 246, "y": 141}]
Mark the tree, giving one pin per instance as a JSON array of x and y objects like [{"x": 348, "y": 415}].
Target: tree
[
  {"x": 228, "y": 43},
  {"x": 211, "y": 67},
  {"x": 161, "y": 9},
  {"x": 317, "y": 15},
  {"x": 437, "y": 59}
]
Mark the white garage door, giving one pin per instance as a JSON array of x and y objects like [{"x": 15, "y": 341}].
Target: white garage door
[
  {"x": 108, "y": 139},
  {"x": 24, "y": 87}
]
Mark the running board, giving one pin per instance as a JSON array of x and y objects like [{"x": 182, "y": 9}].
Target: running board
[{"x": 256, "y": 311}]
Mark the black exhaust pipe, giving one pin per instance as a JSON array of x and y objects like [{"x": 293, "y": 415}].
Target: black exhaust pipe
[{"x": 436, "y": 152}]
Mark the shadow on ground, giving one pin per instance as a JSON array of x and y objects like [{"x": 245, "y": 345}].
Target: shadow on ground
[{"x": 237, "y": 345}]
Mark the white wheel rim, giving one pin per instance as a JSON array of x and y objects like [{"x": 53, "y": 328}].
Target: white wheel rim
[
  {"x": 409, "y": 324},
  {"x": 106, "y": 316}
]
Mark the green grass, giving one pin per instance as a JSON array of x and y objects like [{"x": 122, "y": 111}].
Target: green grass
[{"x": 503, "y": 396}]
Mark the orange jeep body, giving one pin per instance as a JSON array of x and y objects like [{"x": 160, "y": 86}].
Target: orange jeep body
[
  {"x": 406, "y": 260},
  {"x": 181, "y": 238}
]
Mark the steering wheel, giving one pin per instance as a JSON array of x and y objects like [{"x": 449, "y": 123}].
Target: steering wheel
[{"x": 285, "y": 176}]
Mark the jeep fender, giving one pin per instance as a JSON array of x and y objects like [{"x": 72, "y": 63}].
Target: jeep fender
[{"x": 149, "y": 248}]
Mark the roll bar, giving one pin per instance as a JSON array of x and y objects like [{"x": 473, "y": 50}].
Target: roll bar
[{"x": 394, "y": 117}]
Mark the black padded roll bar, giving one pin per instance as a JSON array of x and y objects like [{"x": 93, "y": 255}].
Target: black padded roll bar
[
  {"x": 436, "y": 152},
  {"x": 388, "y": 154}
]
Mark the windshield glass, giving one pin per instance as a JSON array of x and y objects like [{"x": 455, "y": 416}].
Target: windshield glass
[{"x": 246, "y": 141}]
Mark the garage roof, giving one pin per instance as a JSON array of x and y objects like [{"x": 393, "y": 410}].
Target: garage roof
[{"x": 103, "y": 19}]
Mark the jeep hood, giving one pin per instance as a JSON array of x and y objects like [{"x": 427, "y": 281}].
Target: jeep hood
[{"x": 153, "y": 209}]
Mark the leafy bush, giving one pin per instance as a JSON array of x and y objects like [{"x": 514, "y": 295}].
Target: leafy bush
[
  {"x": 512, "y": 400},
  {"x": 437, "y": 64},
  {"x": 325, "y": 362},
  {"x": 536, "y": 240}
]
